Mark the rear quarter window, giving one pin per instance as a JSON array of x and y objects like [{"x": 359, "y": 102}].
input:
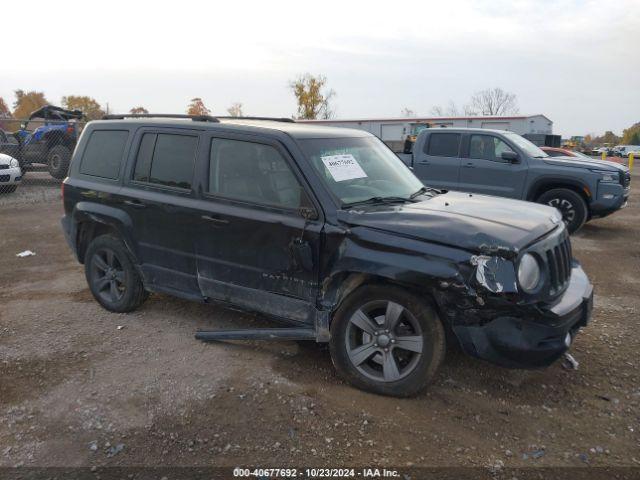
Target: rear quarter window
[
  {"x": 103, "y": 154},
  {"x": 443, "y": 145}
]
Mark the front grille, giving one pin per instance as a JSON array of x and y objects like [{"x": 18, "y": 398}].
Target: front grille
[
  {"x": 559, "y": 264},
  {"x": 4, "y": 167},
  {"x": 4, "y": 178}
]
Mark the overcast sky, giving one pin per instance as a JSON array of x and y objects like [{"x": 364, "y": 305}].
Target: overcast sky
[{"x": 576, "y": 62}]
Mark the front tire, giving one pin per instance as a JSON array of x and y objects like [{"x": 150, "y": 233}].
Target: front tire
[
  {"x": 58, "y": 160},
  {"x": 385, "y": 340},
  {"x": 112, "y": 278},
  {"x": 570, "y": 204}
]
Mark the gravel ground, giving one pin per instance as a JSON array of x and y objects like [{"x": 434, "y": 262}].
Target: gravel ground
[{"x": 80, "y": 386}]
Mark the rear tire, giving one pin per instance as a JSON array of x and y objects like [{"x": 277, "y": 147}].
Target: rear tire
[
  {"x": 58, "y": 160},
  {"x": 570, "y": 204},
  {"x": 111, "y": 275},
  {"x": 387, "y": 341}
]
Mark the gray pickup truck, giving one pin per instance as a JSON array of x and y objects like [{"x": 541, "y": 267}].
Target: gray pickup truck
[{"x": 502, "y": 163}]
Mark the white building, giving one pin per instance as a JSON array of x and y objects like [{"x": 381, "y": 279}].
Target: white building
[{"x": 394, "y": 131}]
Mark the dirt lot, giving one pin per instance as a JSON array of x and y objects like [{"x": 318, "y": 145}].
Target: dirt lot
[{"x": 76, "y": 389}]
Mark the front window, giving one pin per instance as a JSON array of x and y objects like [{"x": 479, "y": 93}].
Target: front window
[
  {"x": 487, "y": 147},
  {"x": 529, "y": 148},
  {"x": 359, "y": 169}
]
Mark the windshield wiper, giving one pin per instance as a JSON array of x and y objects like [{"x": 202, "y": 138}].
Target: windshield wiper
[
  {"x": 376, "y": 201},
  {"x": 425, "y": 190}
]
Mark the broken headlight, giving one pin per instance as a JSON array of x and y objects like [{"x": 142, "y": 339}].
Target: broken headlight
[{"x": 528, "y": 273}]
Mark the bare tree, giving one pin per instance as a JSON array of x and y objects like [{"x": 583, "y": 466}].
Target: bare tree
[
  {"x": 313, "y": 101},
  {"x": 494, "y": 101},
  {"x": 408, "y": 113},
  {"x": 235, "y": 110},
  {"x": 450, "y": 111}
]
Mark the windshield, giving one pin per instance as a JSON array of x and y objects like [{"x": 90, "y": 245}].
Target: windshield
[
  {"x": 358, "y": 169},
  {"x": 526, "y": 145}
]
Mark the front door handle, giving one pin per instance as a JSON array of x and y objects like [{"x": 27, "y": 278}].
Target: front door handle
[
  {"x": 469, "y": 165},
  {"x": 424, "y": 162},
  {"x": 134, "y": 204},
  {"x": 216, "y": 220}
]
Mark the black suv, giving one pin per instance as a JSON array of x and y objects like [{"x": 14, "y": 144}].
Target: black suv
[{"x": 328, "y": 231}]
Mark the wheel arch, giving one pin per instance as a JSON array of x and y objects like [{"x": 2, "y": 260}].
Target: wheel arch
[
  {"x": 340, "y": 286},
  {"x": 92, "y": 220},
  {"x": 546, "y": 184}
]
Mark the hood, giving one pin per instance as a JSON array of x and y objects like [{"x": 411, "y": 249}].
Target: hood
[
  {"x": 473, "y": 222},
  {"x": 584, "y": 163}
]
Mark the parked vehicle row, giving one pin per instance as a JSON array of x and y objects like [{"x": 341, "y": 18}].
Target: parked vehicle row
[
  {"x": 10, "y": 174},
  {"x": 51, "y": 142},
  {"x": 504, "y": 164},
  {"x": 326, "y": 230}
]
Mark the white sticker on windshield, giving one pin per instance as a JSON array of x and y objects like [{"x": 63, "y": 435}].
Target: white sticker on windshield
[{"x": 343, "y": 167}]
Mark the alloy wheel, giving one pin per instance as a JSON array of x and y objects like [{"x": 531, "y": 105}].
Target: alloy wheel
[
  {"x": 384, "y": 341},
  {"x": 107, "y": 275},
  {"x": 565, "y": 207}
]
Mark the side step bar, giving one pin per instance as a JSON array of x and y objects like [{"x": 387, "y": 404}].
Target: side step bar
[{"x": 257, "y": 334}]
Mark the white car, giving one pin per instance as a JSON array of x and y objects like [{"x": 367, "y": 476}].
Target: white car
[{"x": 10, "y": 174}]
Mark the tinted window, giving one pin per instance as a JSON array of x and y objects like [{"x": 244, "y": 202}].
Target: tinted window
[
  {"x": 166, "y": 159},
  {"x": 444, "y": 144},
  {"x": 553, "y": 153},
  {"x": 487, "y": 147},
  {"x": 252, "y": 172},
  {"x": 103, "y": 154}
]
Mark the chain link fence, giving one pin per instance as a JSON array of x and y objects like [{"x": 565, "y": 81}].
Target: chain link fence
[{"x": 34, "y": 157}]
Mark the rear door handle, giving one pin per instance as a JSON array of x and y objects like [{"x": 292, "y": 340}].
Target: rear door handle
[
  {"x": 134, "y": 204},
  {"x": 216, "y": 220},
  {"x": 469, "y": 165}
]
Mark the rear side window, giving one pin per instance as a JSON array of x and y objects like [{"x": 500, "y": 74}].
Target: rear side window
[
  {"x": 443, "y": 145},
  {"x": 166, "y": 159},
  {"x": 103, "y": 154}
]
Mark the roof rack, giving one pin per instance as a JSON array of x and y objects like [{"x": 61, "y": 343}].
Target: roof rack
[
  {"x": 195, "y": 118},
  {"x": 273, "y": 119}
]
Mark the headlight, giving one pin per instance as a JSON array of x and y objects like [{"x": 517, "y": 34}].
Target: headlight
[
  {"x": 528, "y": 273},
  {"x": 607, "y": 176},
  {"x": 13, "y": 163}
]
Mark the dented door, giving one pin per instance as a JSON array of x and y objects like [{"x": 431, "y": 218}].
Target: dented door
[{"x": 254, "y": 248}]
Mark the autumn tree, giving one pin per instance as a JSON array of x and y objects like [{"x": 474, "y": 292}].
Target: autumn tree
[
  {"x": 235, "y": 110},
  {"x": 312, "y": 96},
  {"x": 138, "y": 110},
  {"x": 197, "y": 107},
  {"x": 631, "y": 135},
  {"x": 494, "y": 102},
  {"x": 5, "y": 113},
  {"x": 608, "y": 137},
  {"x": 27, "y": 102},
  {"x": 4, "y": 109},
  {"x": 87, "y": 105}
]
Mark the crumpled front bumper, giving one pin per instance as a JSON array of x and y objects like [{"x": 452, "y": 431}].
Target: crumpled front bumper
[{"x": 537, "y": 339}]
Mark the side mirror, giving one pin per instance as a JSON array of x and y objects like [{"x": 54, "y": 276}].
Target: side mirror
[
  {"x": 308, "y": 213},
  {"x": 510, "y": 157}
]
